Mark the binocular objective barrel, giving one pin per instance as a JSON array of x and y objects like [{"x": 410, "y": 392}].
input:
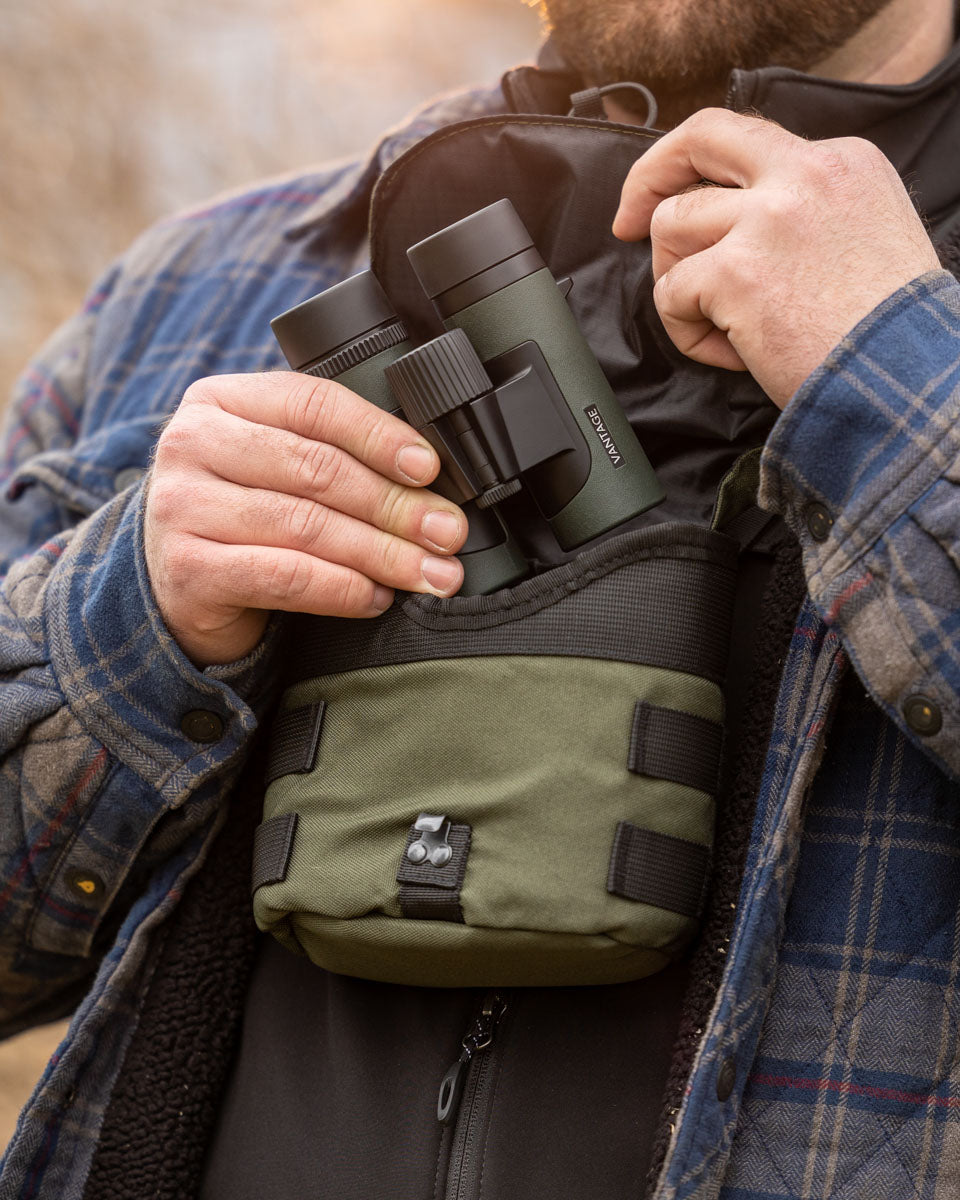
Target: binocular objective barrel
[
  {"x": 351, "y": 333},
  {"x": 486, "y": 277}
]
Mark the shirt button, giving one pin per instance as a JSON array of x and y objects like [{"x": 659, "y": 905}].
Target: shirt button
[
  {"x": 726, "y": 1078},
  {"x": 819, "y": 521},
  {"x": 922, "y": 715},
  {"x": 202, "y": 726},
  {"x": 127, "y": 478},
  {"x": 84, "y": 884}
]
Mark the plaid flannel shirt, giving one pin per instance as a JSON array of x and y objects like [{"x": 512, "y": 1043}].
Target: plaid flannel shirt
[{"x": 828, "y": 1066}]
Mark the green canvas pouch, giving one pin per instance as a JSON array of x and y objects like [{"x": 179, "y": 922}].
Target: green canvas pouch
[{"x": 514, "y": 789}]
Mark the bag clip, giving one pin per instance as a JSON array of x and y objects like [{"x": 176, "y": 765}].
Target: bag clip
[{"x": 433, "y": 845}]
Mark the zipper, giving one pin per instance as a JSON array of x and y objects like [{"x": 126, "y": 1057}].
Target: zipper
[{"x": 463, "y": 1101}]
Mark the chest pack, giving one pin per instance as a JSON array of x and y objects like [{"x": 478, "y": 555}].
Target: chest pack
[{"x": 519, "y": 788}]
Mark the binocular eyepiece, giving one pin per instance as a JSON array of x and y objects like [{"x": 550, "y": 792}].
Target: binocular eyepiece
[{"x": 510, "y": 396}]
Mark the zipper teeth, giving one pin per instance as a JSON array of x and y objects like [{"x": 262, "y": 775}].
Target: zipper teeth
[
  {"x": 464, "y": 1144},
  {"x": 467, "y": 1126}
]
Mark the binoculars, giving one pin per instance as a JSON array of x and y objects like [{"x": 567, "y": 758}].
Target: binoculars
[{"x": 511, "y": 396}]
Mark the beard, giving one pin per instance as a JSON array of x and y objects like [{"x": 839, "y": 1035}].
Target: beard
[{"x": 687, "y": 48}]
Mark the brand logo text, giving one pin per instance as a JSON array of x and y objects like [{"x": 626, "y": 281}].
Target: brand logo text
[{"x": 606, "y": 440}]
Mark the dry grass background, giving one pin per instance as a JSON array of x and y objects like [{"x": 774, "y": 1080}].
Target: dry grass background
[{"x": 113, "y": 114}]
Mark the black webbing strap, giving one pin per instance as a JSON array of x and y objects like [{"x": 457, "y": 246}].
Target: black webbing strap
[
  {"x": 272, "y": 847},
  {"x": 654, "y": 868},
  {"x": 429, "y": 893},
  {"x": 667, "y": 744},
  {"x": 749, "y": 526},
  {"x": 294, "y": 740},
  {"x": 736, "y": 512}
]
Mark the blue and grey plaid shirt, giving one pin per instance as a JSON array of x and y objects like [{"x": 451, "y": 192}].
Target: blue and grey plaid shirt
[{"x": 839, "y": 1004}]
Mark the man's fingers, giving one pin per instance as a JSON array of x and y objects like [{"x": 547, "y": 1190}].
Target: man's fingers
[
  {"x": 277, "y": 460},
  {"x": 323, "y": 411},
  {"x": 715, "y": 145},
  {"x": 684, "y": 225},
  {"x": 268, "y": 578},
  {"x": 679, "y": 297},
  {"x": 250, "y": 516}
]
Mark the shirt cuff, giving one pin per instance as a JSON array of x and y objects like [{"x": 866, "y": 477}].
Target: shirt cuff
[
  {"x": 856, "y": 464},
  {"x": 125, "y": 678}
]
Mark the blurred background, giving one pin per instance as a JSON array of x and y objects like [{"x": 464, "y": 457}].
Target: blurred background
[{"x": 113, "y": 114}]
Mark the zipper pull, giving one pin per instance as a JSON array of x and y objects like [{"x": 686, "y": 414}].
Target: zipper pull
[
  {"x": 477, "y": 1038},
  {"x": 451, "y": 1089}
]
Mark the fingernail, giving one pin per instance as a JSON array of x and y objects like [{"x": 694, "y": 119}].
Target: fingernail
[
  {"x": 444, "y": 574},
  {"x": 441, "y": 527},
  {"x": 382, "y": 598},
  {"x": 416, "y": 462}
]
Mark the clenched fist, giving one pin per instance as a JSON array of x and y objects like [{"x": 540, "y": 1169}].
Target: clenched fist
[
  {"x": 279, "y": 491},
  {"x": 769, "y": 271}
]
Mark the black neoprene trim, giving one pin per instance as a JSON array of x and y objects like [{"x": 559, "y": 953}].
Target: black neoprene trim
[{"x": 660, "y": 597}]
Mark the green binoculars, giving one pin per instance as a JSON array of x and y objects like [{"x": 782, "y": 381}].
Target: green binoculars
[{"x": 511, "y": 396}]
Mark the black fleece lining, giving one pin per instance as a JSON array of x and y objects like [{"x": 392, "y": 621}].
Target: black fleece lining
[
  {"x": 166, "y": 1099},
  {"x": 782, "y": 598}
]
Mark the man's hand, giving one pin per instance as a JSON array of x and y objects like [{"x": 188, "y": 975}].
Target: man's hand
[
  {"x": 279, "y": 491},
  {"x": 769, "y": 272}
]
